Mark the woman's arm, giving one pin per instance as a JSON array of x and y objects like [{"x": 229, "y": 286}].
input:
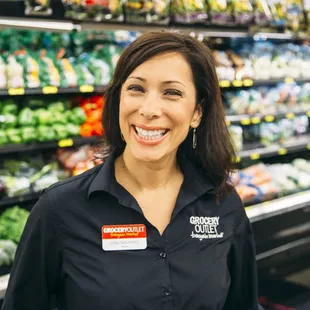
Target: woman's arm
[
  {"x": 242, "y": 265},
  {"x": 37, "y": 263}
]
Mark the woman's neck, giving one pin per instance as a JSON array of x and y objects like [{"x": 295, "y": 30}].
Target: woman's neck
[{"x": 147, "y": 175}]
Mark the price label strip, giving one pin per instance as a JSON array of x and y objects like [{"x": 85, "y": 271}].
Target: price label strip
[
  {"x": 255, "y": 120},
  {"x": 269, "y": 118},
  {"x": 289, "y": 80},
  {"x": 282, "y": 151},
  {"x": 224, "y": 83},
  {"x": 255, "y": 156},
  {"x": 16, "y": 91},
  {"x": 248, "y": 82},
  {"x": 65, "y": 143},
  {"x": 237, "y": 83},
  {"x": 290, "y": 115},
  {"x": 47, "y": 90},
  {"x": 86, "y": 89}
]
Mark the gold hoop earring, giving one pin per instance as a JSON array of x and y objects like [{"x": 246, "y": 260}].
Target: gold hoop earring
[{"x": 194, "y": 138}]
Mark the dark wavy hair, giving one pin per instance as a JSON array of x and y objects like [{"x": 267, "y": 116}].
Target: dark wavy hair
[{"x": 214, "y": 153}]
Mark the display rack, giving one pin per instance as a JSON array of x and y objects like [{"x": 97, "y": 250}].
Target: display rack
[
  {"x": 260, "y": 215},
  {"x": 70, "y": 142},
  {"x": 255, "y": 119},
  {"x": 278, "y": 206},
  {"x": 55, "y": 24},
  {"x": 298, "y": 144},
  {"x": 51, "y": 90},
  {"x": 20, "y": 199}
]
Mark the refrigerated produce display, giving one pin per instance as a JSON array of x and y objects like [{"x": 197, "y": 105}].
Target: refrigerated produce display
[{"x": 56, "y": 58}]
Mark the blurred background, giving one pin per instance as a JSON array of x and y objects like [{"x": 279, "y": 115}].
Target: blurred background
[{"x": 56, "y": 58}]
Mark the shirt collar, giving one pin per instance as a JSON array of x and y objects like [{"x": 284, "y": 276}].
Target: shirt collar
[
  {"x": 105, "y": 179},
  {"x": 195, "y": 183}
]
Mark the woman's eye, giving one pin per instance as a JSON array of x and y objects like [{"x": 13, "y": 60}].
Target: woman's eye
[
  {"x": 135, "y": 88},
  {"x": 173, "y": 92}
]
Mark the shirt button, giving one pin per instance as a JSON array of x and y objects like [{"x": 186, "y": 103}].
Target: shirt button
[
  {"x": 163, "y": 254},
  {"x": 167, "y": 293}
]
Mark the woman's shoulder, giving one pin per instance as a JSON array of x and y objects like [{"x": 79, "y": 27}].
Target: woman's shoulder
[
  {"x": 232, "y": 203},
  {"x": 74, "y": 186}
]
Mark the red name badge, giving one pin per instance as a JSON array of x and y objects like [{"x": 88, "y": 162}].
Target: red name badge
[{"x": 124, "y": 237}]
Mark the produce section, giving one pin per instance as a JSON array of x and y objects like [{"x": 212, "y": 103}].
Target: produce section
[{"x": 37, "y": 121}]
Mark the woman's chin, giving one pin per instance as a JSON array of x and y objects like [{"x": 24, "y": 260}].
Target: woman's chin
[{"x": 148, "y": 156}]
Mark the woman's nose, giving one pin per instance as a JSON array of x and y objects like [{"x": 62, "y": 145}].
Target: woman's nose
[{"x": 150, "y": 107}]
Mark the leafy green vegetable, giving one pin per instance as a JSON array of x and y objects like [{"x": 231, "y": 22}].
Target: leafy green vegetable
[
  {"x": 8, "y": 121},
  {"x": 12, "y": 223},
  {"x": 26, "y": 117},
  {"x": 57, "y": 106},
  {"x": 28, "y": 134},
  {"x": 77, "y": 116},
  {"x": 3, "y": 138},
  {"x": 45, "y": 133},
  {"x": 10, "y": 108},
  {"x": 73, "y": 130},
  {"x": 44, "y": 117},
  {"x": 61, "y": 131},
  {"x": 14, "y": 136},
  {"x": 9, "y": 247}
]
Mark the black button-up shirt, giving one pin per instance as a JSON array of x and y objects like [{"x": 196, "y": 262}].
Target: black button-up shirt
[{"x": 205, "y": 259}]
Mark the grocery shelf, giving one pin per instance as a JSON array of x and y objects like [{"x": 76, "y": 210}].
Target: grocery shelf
[
  {"x": 253, "y": 83},
  {"x": 278, "y": 206},
  {"x": 296, "y": 144},
  {"x": 15, "y": 148},
  {"x": 38, "y": 24},
  {"x": 50, "y": 90},
  {"x": 246, "y": 119},
  {"x": 15, "y": 200},
  {"x": 232, "y": 31}
]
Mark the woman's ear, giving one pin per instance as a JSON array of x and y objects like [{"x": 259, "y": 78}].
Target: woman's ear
[{"x": 197, "y": 116}]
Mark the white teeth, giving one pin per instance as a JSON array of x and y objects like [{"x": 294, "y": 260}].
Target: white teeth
[{"x": 150, "y": 134}]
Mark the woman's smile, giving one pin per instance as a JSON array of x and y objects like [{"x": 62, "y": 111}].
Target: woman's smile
[{"x": 149, "y": 135}]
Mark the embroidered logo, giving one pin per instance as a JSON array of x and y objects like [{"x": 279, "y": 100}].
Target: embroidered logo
[{"x": 205, "y": 227}]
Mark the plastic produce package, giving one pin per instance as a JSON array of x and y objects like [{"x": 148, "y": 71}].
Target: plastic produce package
[
  {"x": 147, "y": 12},
  {"x": 188, "y": 11},
  {"x": 278, "y": 10},
  {"x": 255, "y": 184},
  {"x": 262, "y": 13},
  {"x": 220, "y": 12},
  {"x": 243, "y": 12},
  {"x": 38, "y": 7},
  {"x": 96, "y": 10},
  {"x": 49, "y": 74},
  {"x": 2, "y": 74},
  {"x": 237, "y": 137},
  {"x": 294, "y": 15},
  {"x": 14, "y": 73}
]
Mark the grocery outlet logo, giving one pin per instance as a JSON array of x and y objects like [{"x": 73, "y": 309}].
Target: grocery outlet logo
[{"x": 205, "y": 227}]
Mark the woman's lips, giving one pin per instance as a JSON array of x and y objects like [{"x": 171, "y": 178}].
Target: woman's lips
[{"x": 149, "y": 136}]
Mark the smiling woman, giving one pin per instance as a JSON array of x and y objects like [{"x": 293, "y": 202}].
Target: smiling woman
[
  {"x": 157, "y": 226},
  {"x": 171, "y": 80}
]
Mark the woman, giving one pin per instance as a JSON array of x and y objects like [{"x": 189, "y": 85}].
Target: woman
[{"x": 157, "y": 226}]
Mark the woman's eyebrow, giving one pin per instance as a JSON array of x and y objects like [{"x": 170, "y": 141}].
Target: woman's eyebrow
[
  {"x": 164, "y": 82},
  {"x": 172, "y": 82},
  {"x": 137, "y": 78}
]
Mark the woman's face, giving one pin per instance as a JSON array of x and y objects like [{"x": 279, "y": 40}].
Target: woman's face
[{"x": 158, "y": 107}]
